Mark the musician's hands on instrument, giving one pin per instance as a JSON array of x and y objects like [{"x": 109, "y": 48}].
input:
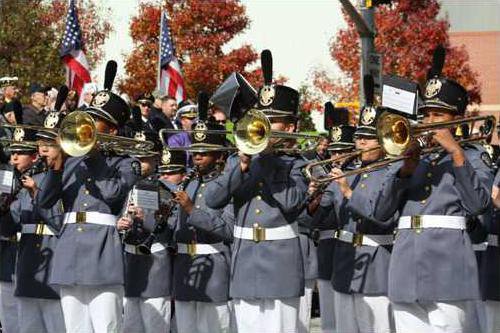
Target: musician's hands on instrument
[
  {"x": 244, "y": 161},
  {"x": 29, "y": 184},
  {"x": 411, "y": 161},
  {"x": 446, "y": 140},
  {"x": 124, "y": 223},
  {"x": 342, "y": 181},
  {"x": 182, "y": 198},
  {"x": 313, "y": 188}
]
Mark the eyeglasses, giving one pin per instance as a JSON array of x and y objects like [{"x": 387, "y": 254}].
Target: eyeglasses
[{"x": 145, "y": 104}]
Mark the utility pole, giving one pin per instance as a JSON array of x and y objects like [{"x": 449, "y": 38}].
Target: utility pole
[{"x": 365, "y": 25}]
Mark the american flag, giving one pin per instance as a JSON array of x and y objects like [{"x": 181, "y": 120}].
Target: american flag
[
  {"x": 170, "y": 78},
  {"x": 77, "y": 68}
]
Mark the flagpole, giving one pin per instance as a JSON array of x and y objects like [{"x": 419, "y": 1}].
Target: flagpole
[{"x": 158, "y": 84}]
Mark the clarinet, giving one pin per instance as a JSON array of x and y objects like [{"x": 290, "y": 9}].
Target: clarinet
[{"x": 162, "y": 218}]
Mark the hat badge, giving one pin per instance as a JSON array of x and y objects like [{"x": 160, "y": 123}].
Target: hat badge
[
  {"x": 335, "y": 133},
  {"x": 200, "y": 131},
  {"x": 51, "y": 120},
  {"x": 267, "y": 94},
  {"x": 140, "y": 136},
  {"x": 166, "y": 156},
  {"x": 19, "y": 134},
  {"x": 432, "y": 88},
  {"x": 368, "y": 116},
  {"x": 101, "y": 99}
]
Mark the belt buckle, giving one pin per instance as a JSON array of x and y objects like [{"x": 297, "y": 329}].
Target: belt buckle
[
  {"x": 39, "y": 229},
  {"x": 81, "y": 217},
  {"x": 191, "y": 248},
  {"x": 416, "y": 223},
  {"x": 259, "y": 233},
  {"x": 357, "y": 240}
]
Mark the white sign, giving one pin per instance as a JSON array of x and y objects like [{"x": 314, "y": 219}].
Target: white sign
[
  {"x": 399, "y": 99},
  {"x": 145, "y": 199},
  {"x": 6, "y": 179}
]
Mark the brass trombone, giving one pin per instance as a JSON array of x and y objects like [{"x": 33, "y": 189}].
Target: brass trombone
[
  {"x": 395, "y": 133},
  {"x": 78, "y": 136},
  {"x": 251, "y": 133}
]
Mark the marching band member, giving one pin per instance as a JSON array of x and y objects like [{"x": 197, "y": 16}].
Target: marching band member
[
  {"x": 363, "y": 247},
  {"x": 88, "y": 260},
  {"x": 324, "y": 219},
  {"x": 267, "y": 273},
  {"x": 201, "y": 266},
  {"x": 148, "y": 275},
  {"x": 433, "y": 271}
]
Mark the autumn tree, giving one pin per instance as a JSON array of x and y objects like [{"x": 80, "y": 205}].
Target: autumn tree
[
  {"x": 200, "y": 29},
  {"x": 408, "y": 31},
  {"x": 30, "y": 35}
]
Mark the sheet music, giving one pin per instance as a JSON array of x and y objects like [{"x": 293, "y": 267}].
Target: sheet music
[
  {"x": 398, "y": 99},
  {"x": 6, "y": 179}
]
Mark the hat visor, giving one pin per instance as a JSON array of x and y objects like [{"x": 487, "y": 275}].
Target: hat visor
[
  {"x": 340, "y": 146},
  {"x": 100, "y": 113},
  {"x": 23, "y": 148},
  {"x": 171, "y": 168},
  {"x": 365, "y": 131},
  {"x": 205, "y": 148},
  {"x": 435, "y": 103},
  {"x": 46, "y": 135},
  {"x": 271, "y": 113}
]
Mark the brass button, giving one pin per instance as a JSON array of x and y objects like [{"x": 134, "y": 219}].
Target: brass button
[
  {"x": 89, "y": 179},
  {"x": 365, "y": 175},
  {"x": 427, "y": 188},
  {"x": 362, "y": 185},
  {"x": 80, "y": 229},
  {"x": 37, "y": 245},
  {"x": 202, "y": 185},
  {"x": 423, "y": 202},
  {"x": 85, "y": 205},
  {"x": 200, "y": 195},
  {"x": 258, "y": 211},
  {"x": 87, "y": 192},
  {"x": 261, "y": 184},
  {"x": 197, "y": 206},
  {"x": 258, "y": 197},
  {"x": 429, "y": 174}
]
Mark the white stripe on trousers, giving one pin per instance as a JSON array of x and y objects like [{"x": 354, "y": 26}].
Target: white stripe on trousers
[
  {"x": 431, "y": 317},
  {"x": 9, "y": 315},
  {"x": 357, "y": 313},
  {"x": 326, "y": 307},
  {"x": 266, "y": 315},
  {"x": 148, "y": 315},
  {"x": 90, "y": 309},
  {"x": 203, "y": 317},
  {"x": 304, "y": 319},
  {"x": 40, "y": 315}
]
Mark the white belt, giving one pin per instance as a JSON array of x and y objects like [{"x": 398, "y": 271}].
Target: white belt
[
  {"x": 156, "y": 247},
  {"x": 195, "y": 249},
  {"x": 259, "y": 234},
  {"x": 327, "y": 234},
  {"x": 90, "y": 217},
  {"x": 432, "y": 221},
  {"x": 480, "y": 246},
  {"x": 37, "y": 229},
  {"x": 361, "y": 239},
  {"x": 493, "y": 240}
]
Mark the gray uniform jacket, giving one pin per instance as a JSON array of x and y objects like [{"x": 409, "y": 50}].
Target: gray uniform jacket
[
  {"x": 150, "y": 276},
  {"x": 89, "y": 254},
  {"x": 360, "y": 269},
  {"x": 437, "y": 264},
  {"x": 35, "y": 252},
  {"x": 202, "y": 278},
  {"x": 271, "y": 193},
  {"x": 8, "y": 239}
]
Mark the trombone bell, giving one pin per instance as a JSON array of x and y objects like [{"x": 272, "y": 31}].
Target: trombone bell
[
  {"x": 252, "y": 132},
  {"x": 394, "y": 133},
  {"x": 78, "y": 134}
]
